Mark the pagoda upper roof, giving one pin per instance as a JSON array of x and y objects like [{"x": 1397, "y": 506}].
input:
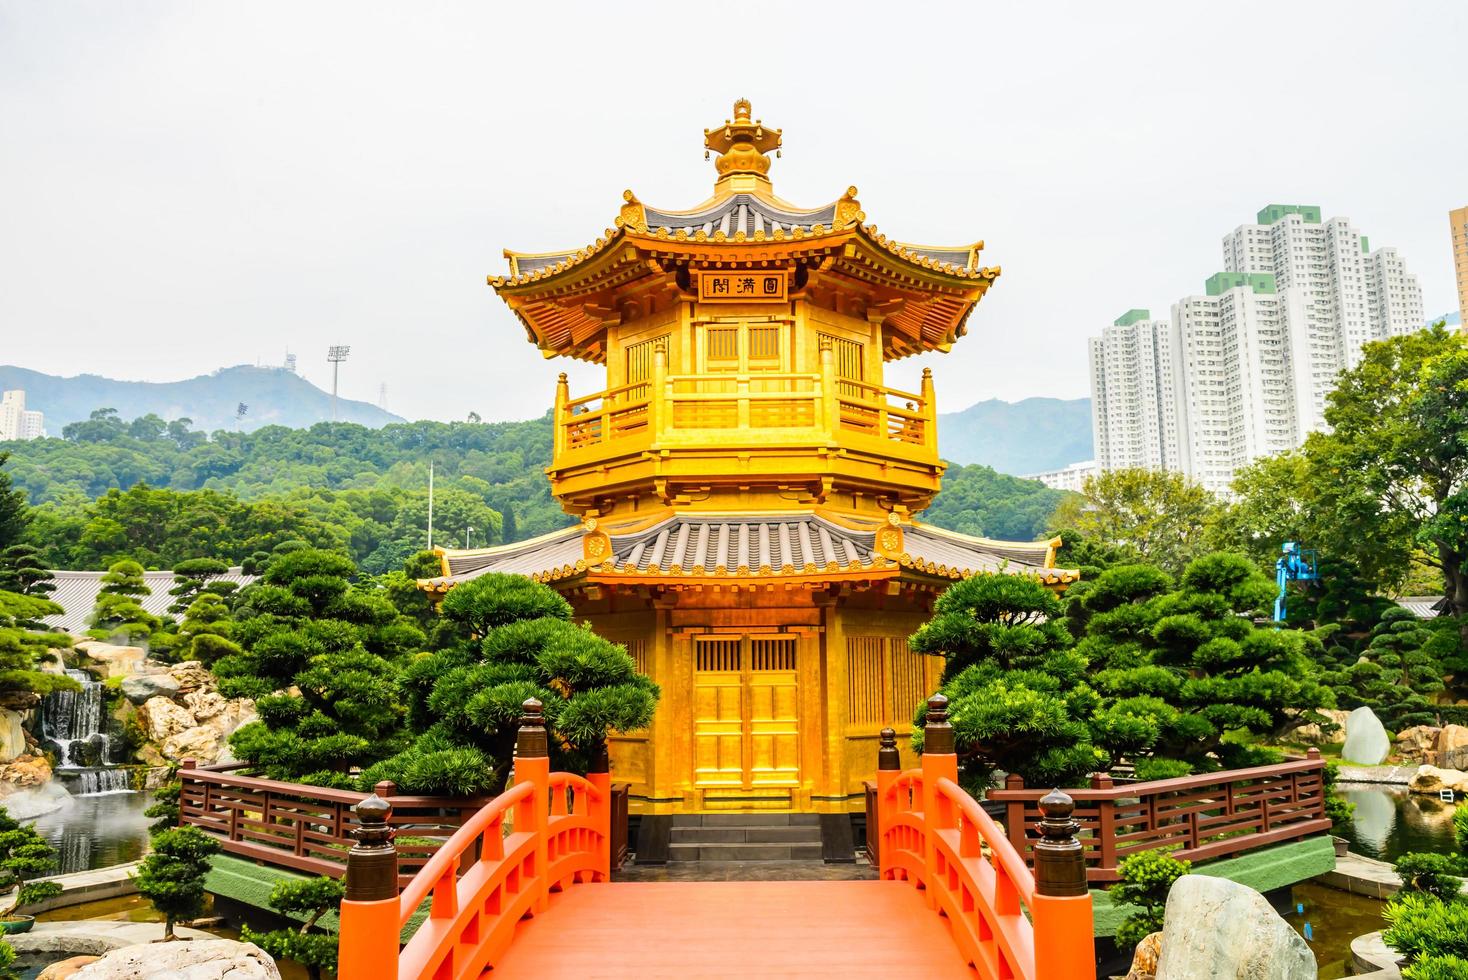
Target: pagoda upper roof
[
  {"x": 565, "y": 297},
  {"x": 797, "y": 545}
]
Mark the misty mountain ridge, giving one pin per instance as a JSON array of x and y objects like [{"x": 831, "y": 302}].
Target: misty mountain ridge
[
  {"x": 1028, "y": 436},
  {"x": 273, "y": 395}
]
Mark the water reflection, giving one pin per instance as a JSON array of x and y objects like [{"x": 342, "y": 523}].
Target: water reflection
[
  {"x": 1390, "y": 822},
  {"x": 97, "y": 831},
  {"x": 1334, "y": 919}
]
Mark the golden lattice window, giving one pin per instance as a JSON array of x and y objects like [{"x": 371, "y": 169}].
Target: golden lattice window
[
  {"x": 772, "y": 653},
  {"x": 718, "y": 654},
  {"x": 885, "y": 681},
  {"x": 639, "y": 360},
  {"x": 637, "y": 650},
  {"x": 850, "y": 358}
]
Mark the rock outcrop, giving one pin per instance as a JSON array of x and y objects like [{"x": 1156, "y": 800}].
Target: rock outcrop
[
  {"x": 12, "y": 735},
  {"x": 197, "y": 959},
  {"x": 141, "y": 688},
  {"x": 1430, "y": 780},
  {"x": 1366, "y": 741},
  {"x": 120, "y": 661},
  {"x": 1222, "y": 930},
  {"x": 1418, "y": 742},
  {"x": 1144, "y": 960},
  {"x": 24, "y": 772},
  {"x": 191, "y": 675},
  {"x": 1452, "y": 748},
  {"x": 1315, "y": 734},
  {"x": 162, "y": 719},
  {"x": 66, "y": 969}
]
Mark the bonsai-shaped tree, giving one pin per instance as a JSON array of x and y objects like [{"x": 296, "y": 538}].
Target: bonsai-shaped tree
[
  {"x": 191, "y": 578},
  {"x": 117, "y": 612},
  {"x": 22, "y": 571},
  {"x": 172, "y": 876},
  {"x": 204, "y": 633},
  {"x": 310, "y": 898},
  {"x": 306, "y": 629},
  {"x": 1017, "y": 696},
  {"x": 21, "y": 646},
  {"x": 24, "y": 854},
  {"x": 1396, "y": 671},
  {"x": 510, "y": 639},
  {"x": 1146, "y": 878},
  {"x": 165, "y": 808}
]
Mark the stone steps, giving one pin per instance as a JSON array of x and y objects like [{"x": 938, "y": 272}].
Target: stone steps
[{"x": 745, "y": 837}]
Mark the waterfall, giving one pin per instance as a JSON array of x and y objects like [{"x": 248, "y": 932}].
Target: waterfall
[{"x": 72, "y": 724}]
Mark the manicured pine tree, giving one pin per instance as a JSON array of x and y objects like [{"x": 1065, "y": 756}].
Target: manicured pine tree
[
  {"x": 191, "y": 578},
  {"x": 24, "y": 854},
  {"x": 172, "y": 876},
  {"x": 508, "y": 639},
  {"x": 22, "y": 647},
  {"x": 118, "y": 613},
  {"x": 306, "y": 629},
  {"x": 22, "y": 571},
  {"x": 309, "y": 900}
]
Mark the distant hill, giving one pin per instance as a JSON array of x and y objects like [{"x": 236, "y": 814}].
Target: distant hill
[
  {"x": 275, "y": 396},
  {"x": 1022, "y": 437}
]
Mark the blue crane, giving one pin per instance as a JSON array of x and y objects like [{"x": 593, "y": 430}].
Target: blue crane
[{"x": 1295, "y": 564}]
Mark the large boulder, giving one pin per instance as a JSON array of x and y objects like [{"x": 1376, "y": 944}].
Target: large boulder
[
  {"x": 1223, "y": 930},
  {"x": 1452, "y": 748},
  {"x": 192, "y": 675},
  {"x": 66, "y": 969},
  {"x": 120, "y": 661},
  {"x": 24, "y": 772},
  {"x": 140, "y": 688},
  {"x": 12, "y": 735},
  {"x": 196, "y": 959},
  {"x": 201, "y": 744},
  {"x": 1366, "y": 741},
  {"x": 1416, "y": 743},
  {"x": 204, "y": 704},
  {"x": 162, "y": 718},
  {"x": 234, "y": 713},
  {"x": 1430, "y": 780}
]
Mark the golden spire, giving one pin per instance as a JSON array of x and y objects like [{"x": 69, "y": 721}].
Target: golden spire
[{"x": 742, "y": 145}]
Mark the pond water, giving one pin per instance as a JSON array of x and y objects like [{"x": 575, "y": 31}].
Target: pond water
[
  {"x": 97, "y": 830},
  {"x": 1390, "y": 822},
  {"x": 1329, "y": 919}
]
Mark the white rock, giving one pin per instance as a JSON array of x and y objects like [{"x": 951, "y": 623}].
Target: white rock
[
  {"x": 162, "y": 718},
  {"x": 1452, "y": 748},
  {"x": 12, "y": 735},
  {"x": 198, "y": 959},
  {"x": 139, "y": 688},
  {"x": 1366, "y": 741},
  {"x": 193, "y": 675},
  {"x": 120, "y": 661},
  {"x": 236, "y": 712},
  {"x": 1222, "y": 930}
]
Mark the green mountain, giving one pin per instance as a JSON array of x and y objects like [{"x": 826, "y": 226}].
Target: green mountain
[
  {"x": 1028, "y": 436},
  {"x": 274, "y": 396}
]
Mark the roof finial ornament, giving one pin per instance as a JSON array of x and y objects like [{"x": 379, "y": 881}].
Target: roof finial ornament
[{"x": 743, "y": 145}]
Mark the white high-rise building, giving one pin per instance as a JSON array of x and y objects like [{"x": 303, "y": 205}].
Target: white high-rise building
[
  {"x": 1134, "y": 417},
  {"x": 1244, "y": 370},
  {"x": 16, "y": 422},
  {"x": 1071, "y": 477}
]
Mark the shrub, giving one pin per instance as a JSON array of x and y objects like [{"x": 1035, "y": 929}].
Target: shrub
[
  {"x": 312, "y": 898},
  {"x": 1146, "y": 878},
  {"x": 1422, "y": 927},
  {"x": 24, "y": 854},
  {"x": 172, "y": 877}
]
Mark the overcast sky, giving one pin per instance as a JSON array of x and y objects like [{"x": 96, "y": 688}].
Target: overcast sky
[{"x": 193, "y": 185}]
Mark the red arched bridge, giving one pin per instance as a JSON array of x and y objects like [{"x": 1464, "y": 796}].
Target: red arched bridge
[{"x": 523, "y": 890}]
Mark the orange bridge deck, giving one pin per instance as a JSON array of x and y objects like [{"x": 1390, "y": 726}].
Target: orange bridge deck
[{"x": 735, "y": 929}]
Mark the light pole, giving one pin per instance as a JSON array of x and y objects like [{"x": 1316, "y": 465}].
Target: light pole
[
  {"x": 335, "y": 355},
  {"x": 467, "y": 531}
]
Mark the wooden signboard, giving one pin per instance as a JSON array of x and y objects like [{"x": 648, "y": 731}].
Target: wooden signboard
[{"x": 742, "y": 287}]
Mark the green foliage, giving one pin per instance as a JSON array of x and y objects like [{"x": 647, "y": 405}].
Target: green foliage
[
  {"x": 1431, "y": 874},
  {"x": 1146, "y": 878},
  {"x": 509, "y": 639},
  {"x": 311, "y": 898},
  {"x": 118, "y": 613},
  {"x": 1161, "y": 516},
  {"x": 21, "y": 646},
  {"x": 165, "y": 808},
  {"x": 977, "y": 500},
  {"x": 12, "y": 507},
  {"x": 172, "y": 876},
  {"x": 1394, "y": 670},
  {"x": 24, "y": 854},
  {"x": 1435, "y": 966},
  {"x": 1423, "y": 927},
  {"x": 319, "y": 654},
  {"x": 22, "y": 571}
]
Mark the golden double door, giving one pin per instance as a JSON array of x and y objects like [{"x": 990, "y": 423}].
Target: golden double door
[{"x": 746, "y": 724}]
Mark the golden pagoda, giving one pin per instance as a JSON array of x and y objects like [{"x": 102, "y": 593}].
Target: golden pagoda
[{"x": 746, "y": 482}]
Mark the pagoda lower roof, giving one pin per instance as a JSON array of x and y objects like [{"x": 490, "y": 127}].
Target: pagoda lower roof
[{"x": 795, "y": 545}]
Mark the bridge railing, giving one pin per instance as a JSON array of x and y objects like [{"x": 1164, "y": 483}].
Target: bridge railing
[
  {"x": 546, "y": 832},
  {"x": 932, "y": 833},
  {"x": 1200, "y": 818}
]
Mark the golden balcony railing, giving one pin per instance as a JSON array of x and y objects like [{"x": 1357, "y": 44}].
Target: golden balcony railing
[{"x": 744, "y": 410}]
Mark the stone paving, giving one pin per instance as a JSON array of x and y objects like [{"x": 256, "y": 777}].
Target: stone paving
[{"x": 1394, "y": 775}]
